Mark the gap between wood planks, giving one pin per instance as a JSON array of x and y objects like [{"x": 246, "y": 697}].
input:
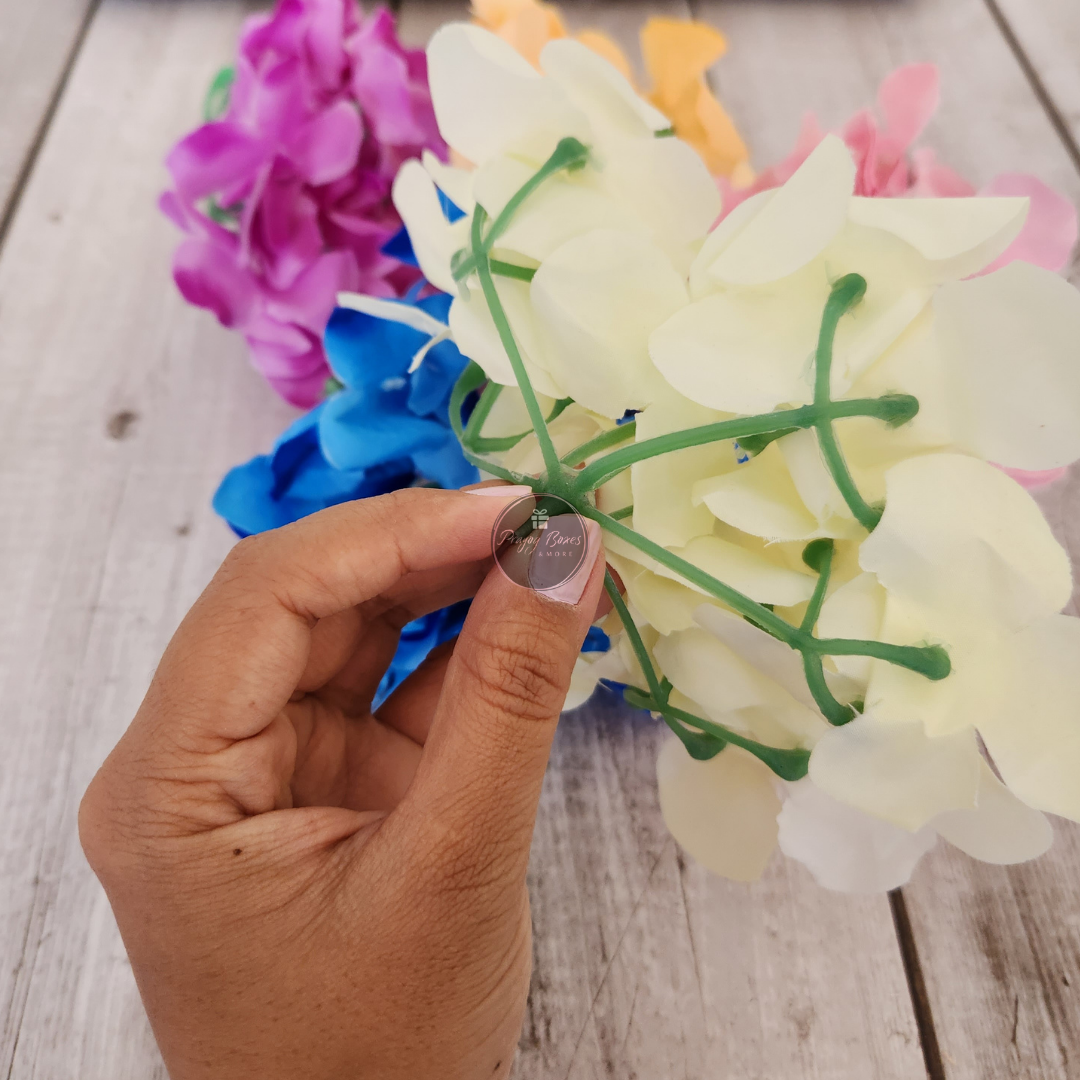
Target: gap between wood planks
[
  {"x": 34, "y": 148},
  {"x": 1048, "y": 104}
]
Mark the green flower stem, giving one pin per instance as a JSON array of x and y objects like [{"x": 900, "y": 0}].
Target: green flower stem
[
  {"x": 620, "y": 515},
  {"x": 932, "y": 661},
  {"x": 480, "y": 444},
  {"x": 506, "y": 336},
  {"x": 510, "y": 270},
  {"x": 488, "y": 397},
  {"x": 472, "y": 378},
  {"x": 699, "y": 745},
  {"x": 569, "y": 154},
  {"x": 734, "y": 599},
  {"x": 846, "y": 293},
  {"x": 893, "y": 409},
  {"x": 636, "y": 643},
  {"x": 600, "y": 442},
  {"x": 790, "y": 764}
]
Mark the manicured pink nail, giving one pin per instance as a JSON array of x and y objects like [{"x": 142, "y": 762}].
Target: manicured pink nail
[
  {"x": 508, "y": 491},
  {"x": 571, "y": 590}
]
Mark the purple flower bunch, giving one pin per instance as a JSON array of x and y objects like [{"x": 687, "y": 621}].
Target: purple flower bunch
[{"x": 284, "y": 195}]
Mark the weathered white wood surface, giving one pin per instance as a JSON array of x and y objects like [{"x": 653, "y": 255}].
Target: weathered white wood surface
[
  {"x": 986, "y": 937},
  {"x": 119, "y": 410},
  {"x": 1047, "y": 35},
  {"x": 37, "y": 41}
]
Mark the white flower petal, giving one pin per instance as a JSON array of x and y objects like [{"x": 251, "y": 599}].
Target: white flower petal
[
  {"x": 1034, "y": 733},
  {"x": 599, "y": 90},
  {"x": 666, "y": 604},
  {"x": 855, "y": 610},
  {"x": 895, "y": 772},
  {"x": 456, "y": 184},
  {"x": 760, "y": 650},
  {"x": 596, "y": 301},
  {"x": 663, "y": 511},
  {"x": 796, "y": 224},
  {"x": 759, "y": 498},
  {"x": 960, "y": 236},
  {"x": 722, "y": 811},
  {"x": 1001, "y": 829},
  {"x": 434, "y": 239},
  {"x": 1010, "y": 344},
  {"x": 665, "y": 185},
  {"x": 476, "y": 336},
  {"x": 844, "y": 849},
  {"x": 722, "y": 682},
  {"x": 510, "y": 416},
  {"x": 958, "y": 533},
  {"x": 488, "y": 99},
  {"x": 746, "y": 350},
  {"x": 752, "y": 572}
]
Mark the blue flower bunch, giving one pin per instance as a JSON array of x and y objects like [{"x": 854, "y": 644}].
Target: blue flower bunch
[{"x": 387, "y": 427}]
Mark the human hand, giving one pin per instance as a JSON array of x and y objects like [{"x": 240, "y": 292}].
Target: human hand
[{"x": 308, "y": 890}]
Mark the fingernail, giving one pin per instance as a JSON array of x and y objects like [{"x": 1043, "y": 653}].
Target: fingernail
[
  {"x": 571, "y": 590},
  {"x": 505, "y": 491}
]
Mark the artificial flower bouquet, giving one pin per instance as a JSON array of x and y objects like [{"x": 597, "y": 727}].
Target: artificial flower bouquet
[{"x": 792, "y": 405}]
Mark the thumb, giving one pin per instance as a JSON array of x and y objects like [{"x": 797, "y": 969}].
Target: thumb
[{"x": 479, "y": 782}]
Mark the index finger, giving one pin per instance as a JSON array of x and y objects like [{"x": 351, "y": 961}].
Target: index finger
[{"x": 238, "y": 655}]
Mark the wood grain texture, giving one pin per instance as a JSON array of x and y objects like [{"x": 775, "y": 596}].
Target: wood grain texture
[
  {"x": 648, "y": 967},
  {"x": 1047, "y": 34},
  {"x": 120, "y": 408},
  {"x": 36, "y": 44},
  {"x": 986, "y": 936}
]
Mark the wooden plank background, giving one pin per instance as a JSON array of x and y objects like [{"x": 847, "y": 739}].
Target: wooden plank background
[{"x": 120, "y": 408}]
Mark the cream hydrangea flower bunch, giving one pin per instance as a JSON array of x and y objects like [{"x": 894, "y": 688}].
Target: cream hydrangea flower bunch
[{"x": 845, "y": 614}]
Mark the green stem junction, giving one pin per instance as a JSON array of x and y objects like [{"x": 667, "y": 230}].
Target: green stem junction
[{"x": 603, "y": 457}]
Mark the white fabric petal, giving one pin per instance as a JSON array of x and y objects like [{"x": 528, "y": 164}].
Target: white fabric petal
[
  {"x": 722, "y": 811},
  {"x": 844, "y": 849},
  {"x": 723, "y": 683},
  {"x": 1033, "y": 734},
  {"x": 665, "y": 185},
  {"x": 959, "y": 236},
  {"x": 895, "y": 772},
  {"x": 564, "y": 206},
  {"x": 392, "y": 311},
  {"x": 596, "y": 301},
  {"x": 668, "y": 605},
  {"x": 589, "y": 669},
  {"x": 762, "y": 651},
  {"x": 759, "y": 498},
  {"x": 795, "y": 225},
  {"x": 720, "y": 238},
  {"x": 663, "y": 510},
  {"x": 1010, "y": 346},
  {"x": 958, "y": 533},
  {"x": 476, "y": 336},
  {"x": 488, "y": 99},
  {"x": 855, "y": 610},
  {"x": 509, "y": 415},
  {"x": 751, "y": 572},
  {"x": 746, "y": 350},
  {"x": 1001, "y": 829},
  {"x": 600, "y": 91},
  {"x": 455, "y": 183},
  {"x": 434, "y": 239}
]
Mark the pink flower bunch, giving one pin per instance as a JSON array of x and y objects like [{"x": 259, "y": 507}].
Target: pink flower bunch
[
  {"x": 888, "y": 167},
  {"x": 285, "y": 199}
]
